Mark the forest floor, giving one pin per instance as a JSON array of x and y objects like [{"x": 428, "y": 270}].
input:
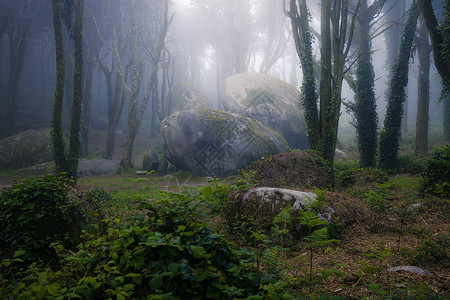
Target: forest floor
[{"x": 390, "y": 236}]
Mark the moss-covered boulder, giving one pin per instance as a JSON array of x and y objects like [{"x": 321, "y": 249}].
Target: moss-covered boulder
[
  {"x": 26, "y": 149},
  {"x": 269, "y": 100},
  {"x": 187, "y": 96},
  {"x": 217, "y": 143}
]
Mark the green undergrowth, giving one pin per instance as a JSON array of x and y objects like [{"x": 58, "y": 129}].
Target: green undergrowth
[{"x": 174, "y": 243}]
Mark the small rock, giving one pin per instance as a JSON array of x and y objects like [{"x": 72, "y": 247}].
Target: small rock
[
  {"x": 162, "y": 166},
  {"x": 150, "y": 162},
  {"x": 414, "y": 207},
  {"x": 141, "y": 173},
  {"x": 411, "y": 269}
]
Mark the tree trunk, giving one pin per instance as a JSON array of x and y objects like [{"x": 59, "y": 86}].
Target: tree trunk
[
  {"x": 366, "y": 107},
  {"x": 440, "y": 39},
  {"x": 57, "y": 132},
  {"x": 423, "y": 93},
  {"x": 134, "y": 114},
  {"x": 87, "y": 106},
  {"x": 325, "y": 69},
  {"x": 390, "y": 135},
  {"x": 303, "y": 44},
  {"x": 446, "y": 117},
  {"x": 74, "y": 148}
]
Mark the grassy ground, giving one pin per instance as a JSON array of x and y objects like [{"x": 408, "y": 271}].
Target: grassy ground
[{"x": 358, "y": 265}]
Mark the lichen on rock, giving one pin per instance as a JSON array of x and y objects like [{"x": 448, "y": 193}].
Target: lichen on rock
[{"x": 26, "y": 149}]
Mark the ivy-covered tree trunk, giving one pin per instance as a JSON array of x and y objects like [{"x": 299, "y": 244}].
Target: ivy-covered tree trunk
[
  {"x": 74, "y": 147},
  {"x": 390, "y": 135},
  {"x": 336, "y": 38},
  {"x": 423, "y": 92},
  {"x": 303, "y": 43},
  {"x": 440, "y": 39},
  {"x": 365, "y": 106},
  {"x": 57, "y": 132}
]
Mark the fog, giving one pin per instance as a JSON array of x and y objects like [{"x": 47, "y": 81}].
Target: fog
[{"x": 206, "y": 43}]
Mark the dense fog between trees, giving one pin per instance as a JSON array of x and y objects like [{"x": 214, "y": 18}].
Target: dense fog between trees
[{"x": 142, "y": 50}]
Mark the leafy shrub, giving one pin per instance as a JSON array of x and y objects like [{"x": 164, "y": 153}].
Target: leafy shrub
[
  {"x": 351, "y": 177},
  {"x": 436, "y": 176},
  {"x": 99, "y": 195},
  {"x": 192, "y": 262},
  {"x": 36, "y": 212},
  {"x": 411, "y": 164}
]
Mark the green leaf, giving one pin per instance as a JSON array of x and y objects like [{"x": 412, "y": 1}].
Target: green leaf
[
  {"x": 207, "y": 191},
  {"x": 156, "y": 282},
  {"x": 173, "y": 267},
  {"x": 72, "y": 295},
  {"x": 199, "y": 252},
  {"x": 19, "y": 253}
]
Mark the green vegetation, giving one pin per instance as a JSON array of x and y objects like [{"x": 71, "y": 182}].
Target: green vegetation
[
  {"x": 390, "y": 134},
  {"x": 37, "y": 212},
  {"x": 436, "y": 176},
  {"x": 168, "y": 238}
]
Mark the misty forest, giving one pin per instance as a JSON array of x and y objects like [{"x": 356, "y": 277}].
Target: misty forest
[{"x": 224, "y": 149}]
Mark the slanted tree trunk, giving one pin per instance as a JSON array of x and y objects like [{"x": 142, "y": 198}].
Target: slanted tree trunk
[
  {"x": 440, "y": 39},
  {"x": 390, "y": 135},
  {"x": 423, "y": 86},
  {"x": 74, "y": 147}
]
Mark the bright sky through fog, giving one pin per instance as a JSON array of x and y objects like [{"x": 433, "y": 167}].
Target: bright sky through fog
[{"x": 183, "y": 2}]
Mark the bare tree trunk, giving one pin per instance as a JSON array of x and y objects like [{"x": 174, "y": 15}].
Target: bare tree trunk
[
  {"x": 87, "y": 106},
  {"x": 325, "y": 67},
  {"x": 423, "y": 86}
]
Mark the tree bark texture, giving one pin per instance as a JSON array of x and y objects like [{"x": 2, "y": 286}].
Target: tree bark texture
[
  {"x": 365, "y": 107},
  {"x": 74, "y": 147},
  {"x": 57, "y": 132},
  {"x": 423, "y": 92},
  {"x": 440, "y": 38},
  {"x": 390, "y": 135}
]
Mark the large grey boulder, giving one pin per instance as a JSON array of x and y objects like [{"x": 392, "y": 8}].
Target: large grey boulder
[
  {"x": 217, "y": 143},
  {"x": 96, "y": 167},
  {"x": 262, "y": 204},
  {"x": 26, "y": 149},
  {"x": 187, "y": 96},
  {"x": 269, "y": 100}
]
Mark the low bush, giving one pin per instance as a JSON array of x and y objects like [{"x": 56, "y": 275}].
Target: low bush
[
  {"x": 351, "y": 177},
  {"x": 436, "y": 176},
  {"x": 36, "y": 212}
]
